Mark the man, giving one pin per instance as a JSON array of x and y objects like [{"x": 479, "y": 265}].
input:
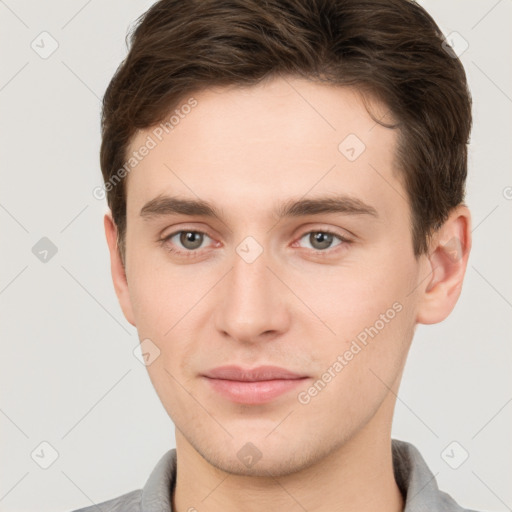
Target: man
[{"x": 286, "y": 184}]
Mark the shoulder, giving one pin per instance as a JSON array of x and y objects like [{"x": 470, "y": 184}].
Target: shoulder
[
  {"x": 129, "y": 502},
  {"x": 155, "y": 495},
  {"x": 417, "y": 483}
]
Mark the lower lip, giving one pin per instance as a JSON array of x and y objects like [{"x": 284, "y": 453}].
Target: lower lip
[{"x": 253, "y": 393}]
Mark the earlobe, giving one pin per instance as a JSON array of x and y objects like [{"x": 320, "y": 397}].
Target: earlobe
[
  {"x": 447, "y": 260},
  {"x": 118, "y": 269}
]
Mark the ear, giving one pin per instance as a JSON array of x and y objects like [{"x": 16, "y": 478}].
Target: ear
[
  {"x": 117, "y": 269},
  {"x": 446, "y": 262}
]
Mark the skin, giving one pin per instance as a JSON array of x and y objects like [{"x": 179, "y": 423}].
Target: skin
[{"x": 298, "y": 306}]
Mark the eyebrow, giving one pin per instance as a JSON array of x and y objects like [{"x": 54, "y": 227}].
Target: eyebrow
[{"x": 168, "y": 205}]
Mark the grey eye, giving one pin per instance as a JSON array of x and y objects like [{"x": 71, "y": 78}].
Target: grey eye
[
  {"x": 321, "y": 240},
  {"x": 190, "y": 239}
]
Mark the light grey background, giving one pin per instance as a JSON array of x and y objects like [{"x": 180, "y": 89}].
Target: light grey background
[{"x": 68, "y": 373}]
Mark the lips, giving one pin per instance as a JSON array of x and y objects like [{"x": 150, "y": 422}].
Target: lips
[
  {"x": 261, "y": 373},
  {"x": 252, "y": 386}
]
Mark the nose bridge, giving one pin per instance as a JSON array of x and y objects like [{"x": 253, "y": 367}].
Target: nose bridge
[{"x": 252, "y": 304}]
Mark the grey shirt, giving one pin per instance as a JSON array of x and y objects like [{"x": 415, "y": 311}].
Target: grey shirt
[{"x": 414, "y": 479}]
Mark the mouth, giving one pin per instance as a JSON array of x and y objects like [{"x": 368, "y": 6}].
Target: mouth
[{"x": 252, "y": 386}]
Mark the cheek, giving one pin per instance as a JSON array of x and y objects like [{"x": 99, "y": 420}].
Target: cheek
[
  {"x": 352, "y": 299},
  {"x": 372, "y": 314},
  {"x": 158, "y": 296},
  {"x": 359, "y": 369},
  {"x": 168, "y": 304}
]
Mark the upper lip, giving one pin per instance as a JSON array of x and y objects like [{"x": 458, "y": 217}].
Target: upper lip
[{"x": 259, "y": 373}]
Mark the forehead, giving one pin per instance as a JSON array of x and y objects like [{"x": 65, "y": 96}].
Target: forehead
[{"x": 254, "y": 145}]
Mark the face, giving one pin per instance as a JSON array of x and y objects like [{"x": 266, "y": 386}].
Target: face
[{"x": 306, "y": 265}]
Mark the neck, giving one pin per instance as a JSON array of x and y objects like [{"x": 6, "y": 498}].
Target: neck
[{"x": 357, "y": 476}]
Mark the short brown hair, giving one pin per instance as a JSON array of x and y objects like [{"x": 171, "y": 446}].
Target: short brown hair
[{"x": 390, "y": 49}]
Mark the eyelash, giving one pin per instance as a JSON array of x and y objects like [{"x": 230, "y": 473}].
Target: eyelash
[{"x": 194, "y": 253}]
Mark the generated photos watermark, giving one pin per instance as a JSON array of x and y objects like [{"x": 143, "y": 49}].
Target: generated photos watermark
[
  {"x": 157, "y": 135},
  {"x": 358, "y": 344}
]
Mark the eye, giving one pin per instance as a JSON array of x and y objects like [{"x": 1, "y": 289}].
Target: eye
[
  {"x": 322, "y": 239},
  {"x": 188, "y": 239}
]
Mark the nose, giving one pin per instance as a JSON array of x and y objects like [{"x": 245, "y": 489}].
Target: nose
[{"x": 252, "y": 306}]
